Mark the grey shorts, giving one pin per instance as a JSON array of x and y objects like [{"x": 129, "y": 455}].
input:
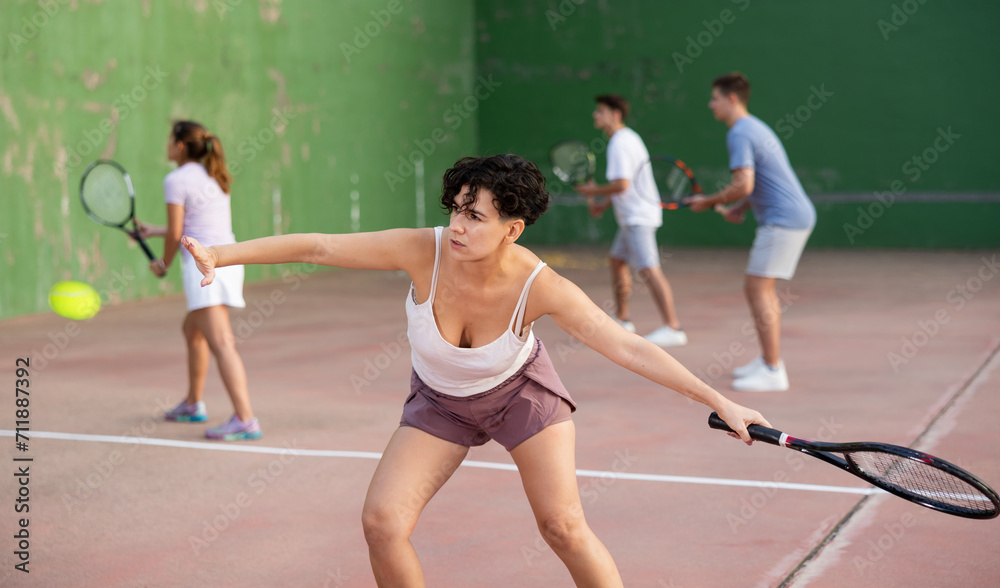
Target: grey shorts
[
  {"x": 776, "y": 251},
  {"x": 636, "y": 246},
  {"x": 513, "y": 412}
]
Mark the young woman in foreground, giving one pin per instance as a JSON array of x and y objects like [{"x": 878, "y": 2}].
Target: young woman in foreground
[{"x": 478, "y": 371}]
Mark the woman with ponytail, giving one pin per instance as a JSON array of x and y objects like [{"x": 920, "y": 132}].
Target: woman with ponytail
[{"x": 197, "y": 196}]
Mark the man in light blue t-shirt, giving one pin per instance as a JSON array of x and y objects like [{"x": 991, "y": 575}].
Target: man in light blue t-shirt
[{"x": 762, "y": 180}]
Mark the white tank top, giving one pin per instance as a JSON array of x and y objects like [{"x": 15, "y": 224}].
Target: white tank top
[{"x": 464, "y": 371}]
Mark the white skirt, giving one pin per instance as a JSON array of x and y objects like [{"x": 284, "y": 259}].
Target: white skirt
[{"x": 227, "y": 288}]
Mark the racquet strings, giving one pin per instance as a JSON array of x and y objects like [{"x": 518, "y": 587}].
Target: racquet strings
[
  {"x": 673, "y": 183},
  {"x": 105, "y": 193},
  {"x": 572, "y": 162},
  {"x": 922, "y": 481}
]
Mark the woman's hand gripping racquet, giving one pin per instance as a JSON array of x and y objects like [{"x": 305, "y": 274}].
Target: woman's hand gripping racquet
[{"x": 916, "y": 476}]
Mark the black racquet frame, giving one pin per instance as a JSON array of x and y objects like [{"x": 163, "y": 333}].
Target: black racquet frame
[
  {"x": 695, "y": 186},
  {"x": 134, "y": 232},
  {"x": 825, "y": 451}
]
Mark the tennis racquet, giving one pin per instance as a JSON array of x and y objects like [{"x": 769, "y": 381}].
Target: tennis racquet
[
  {"x": 108, "y": 197},
  {"x": 914, "y": 475},
  {"x": 573, "y": 162},
  {"x": 673, "y": 178}
]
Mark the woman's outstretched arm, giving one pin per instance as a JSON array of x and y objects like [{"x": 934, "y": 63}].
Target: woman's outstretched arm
[{"x": 396, "y": 249}]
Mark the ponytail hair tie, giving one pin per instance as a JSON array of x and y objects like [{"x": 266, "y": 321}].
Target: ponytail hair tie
[{"x": 208, "y": 142}]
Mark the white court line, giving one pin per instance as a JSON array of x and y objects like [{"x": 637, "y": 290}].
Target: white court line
[{"x": 467, "y": 463}]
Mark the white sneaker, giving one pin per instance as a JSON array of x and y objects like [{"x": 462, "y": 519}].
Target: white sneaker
[
  {"x": 765, "y": 379},
  {"x": 667, "y": 337},
  {"x": 745, "y": 370},
  {"x": 627, "y": 325}
]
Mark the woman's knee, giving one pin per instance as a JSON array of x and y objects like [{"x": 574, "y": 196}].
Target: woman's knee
[
  {"x": 565, "y": 530},
  {"x": 222, "y": 341},
  {"x": 384, "y": 523},
  {"x": 216, "y": 329},
  {"x": 190, "y": 329}
]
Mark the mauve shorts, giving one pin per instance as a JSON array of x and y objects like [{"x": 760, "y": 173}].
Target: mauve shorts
[{"x": 520, "y": 407}]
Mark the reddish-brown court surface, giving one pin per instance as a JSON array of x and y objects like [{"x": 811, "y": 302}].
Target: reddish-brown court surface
[{"x": 900, "y": 347}]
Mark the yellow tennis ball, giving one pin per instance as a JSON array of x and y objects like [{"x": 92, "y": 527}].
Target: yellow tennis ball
[{"x": 74, "y": 300}]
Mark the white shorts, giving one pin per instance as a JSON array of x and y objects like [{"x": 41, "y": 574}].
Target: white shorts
[
  {"x": 227, "y": 288},
  {"x": 776, "y": 251}
]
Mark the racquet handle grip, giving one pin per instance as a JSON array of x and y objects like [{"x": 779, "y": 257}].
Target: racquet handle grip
[
  {"x": 146, "y": 249},
  {"x": 757, "y": 432}
]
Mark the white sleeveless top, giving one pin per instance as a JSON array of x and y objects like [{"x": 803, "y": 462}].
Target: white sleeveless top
[{"x": 464, "y": 371}]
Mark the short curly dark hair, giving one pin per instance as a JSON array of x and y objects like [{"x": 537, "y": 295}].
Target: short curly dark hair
[{"x": 518, "y": 187}]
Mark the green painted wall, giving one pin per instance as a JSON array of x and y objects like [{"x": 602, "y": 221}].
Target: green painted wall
[
  {"x": 313, "y": 100},
  {"x": 856, "y": 89},
  {"x": 316, "y": 101}
]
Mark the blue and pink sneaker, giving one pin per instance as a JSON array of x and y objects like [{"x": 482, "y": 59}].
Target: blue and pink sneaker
[
  {"x": 187, "y": 413},
  {"x": 235, "y": 430}
]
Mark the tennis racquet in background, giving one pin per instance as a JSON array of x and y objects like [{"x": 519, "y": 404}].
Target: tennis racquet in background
[
  {"x": 914, "y": 475},
  {"x": 108, "y": 197},
  {"x": 674, "y": 180},
  {"x": 573, "y": 162}
]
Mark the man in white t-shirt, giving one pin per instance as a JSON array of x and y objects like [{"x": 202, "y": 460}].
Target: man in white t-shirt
[{"x": 632, "y": 192}]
